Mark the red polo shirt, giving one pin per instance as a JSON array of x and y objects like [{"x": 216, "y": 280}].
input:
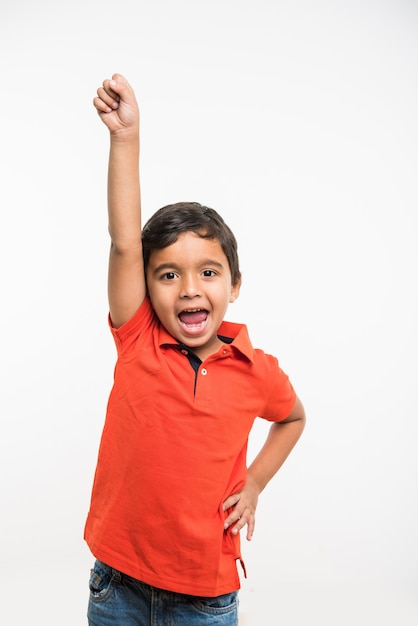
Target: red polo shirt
[{"x": 173, "y": 448}]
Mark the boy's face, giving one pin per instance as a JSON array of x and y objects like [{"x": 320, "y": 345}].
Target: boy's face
[{"x": 189, "y": 284}]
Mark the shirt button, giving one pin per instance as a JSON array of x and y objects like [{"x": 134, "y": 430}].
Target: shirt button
[
  {"x": 204, "y": 372},
  {"x": 184, "y": 352}
]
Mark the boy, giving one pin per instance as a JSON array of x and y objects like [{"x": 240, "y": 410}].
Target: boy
[{"x": 171, "y": 490}]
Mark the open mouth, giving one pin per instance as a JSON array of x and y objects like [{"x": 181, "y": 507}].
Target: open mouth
[{"x": 193, "y": 318}]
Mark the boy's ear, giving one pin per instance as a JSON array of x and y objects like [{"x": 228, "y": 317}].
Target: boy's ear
[{"x": 235, "y": 291}]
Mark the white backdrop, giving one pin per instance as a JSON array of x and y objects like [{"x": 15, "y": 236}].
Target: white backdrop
[{"x": 297, "y": 120}]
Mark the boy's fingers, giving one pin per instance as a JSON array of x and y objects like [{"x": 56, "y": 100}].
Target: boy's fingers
[
  {"x": 238, "y": 524},
  {"x": 118, "y": 86},
  {"x": 119, "y": 78},
  {"x": 101, "y": 106},
  {"x": 235, "y": 516},
  {"x": 110, "y": 89},
  {"x": 109, "y": 97},
  {"x": 231, "y": 501},
  {"x": 250, "y": 528}
]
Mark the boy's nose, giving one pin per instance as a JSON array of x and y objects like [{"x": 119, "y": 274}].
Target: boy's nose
[{"x": 189, "y": 288}]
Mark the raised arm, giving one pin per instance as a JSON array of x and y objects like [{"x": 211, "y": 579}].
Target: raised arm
[{"x": 117, "y": 107}]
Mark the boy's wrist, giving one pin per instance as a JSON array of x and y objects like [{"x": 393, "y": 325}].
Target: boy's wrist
[
  {"x": 251, "y": 481},
  {"x": 125, "y": 136}
]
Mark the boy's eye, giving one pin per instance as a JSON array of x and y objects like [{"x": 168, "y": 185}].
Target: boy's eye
[
  {"x": 169, "y": 275},
  {"x": 208, "y": 273}
]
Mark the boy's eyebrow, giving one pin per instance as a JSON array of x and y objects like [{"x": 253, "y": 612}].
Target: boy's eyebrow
[{"x": 174, "y": 266}]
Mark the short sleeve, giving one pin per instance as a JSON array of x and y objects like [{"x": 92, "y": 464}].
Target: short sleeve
[
  {"x": 126, "y": 336},
  {"x": 280, "y": 394}
]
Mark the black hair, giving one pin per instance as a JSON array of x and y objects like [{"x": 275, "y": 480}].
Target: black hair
[{"x": 164, "y": 227}]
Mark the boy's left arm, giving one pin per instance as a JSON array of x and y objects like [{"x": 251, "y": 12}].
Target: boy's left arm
[{"x": 281, "y": 439}]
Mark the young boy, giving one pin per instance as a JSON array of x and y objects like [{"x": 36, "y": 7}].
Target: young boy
[{"x": 172, "y": 490}]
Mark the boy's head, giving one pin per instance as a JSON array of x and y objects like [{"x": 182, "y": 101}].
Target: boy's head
[{"x": 164, "y": 227}]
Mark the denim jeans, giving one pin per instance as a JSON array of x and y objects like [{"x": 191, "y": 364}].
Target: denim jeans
[{"x": 119, "y": 600}]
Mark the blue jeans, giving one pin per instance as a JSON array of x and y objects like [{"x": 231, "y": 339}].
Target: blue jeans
[{"x": 119, "y": 600}]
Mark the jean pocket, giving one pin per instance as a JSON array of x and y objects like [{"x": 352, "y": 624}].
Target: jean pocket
[
  {"x": 219, "y": 605},
  {"x": 101, "y": 581}
]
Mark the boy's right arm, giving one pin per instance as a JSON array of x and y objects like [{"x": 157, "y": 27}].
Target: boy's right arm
[{"x": 117, "y": 107}]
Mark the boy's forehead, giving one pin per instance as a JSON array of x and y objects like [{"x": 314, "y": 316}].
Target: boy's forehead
[{"x": 188, "y": 246}]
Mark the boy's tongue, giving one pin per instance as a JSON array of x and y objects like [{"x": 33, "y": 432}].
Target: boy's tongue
[{"x": 193, "y": 317}]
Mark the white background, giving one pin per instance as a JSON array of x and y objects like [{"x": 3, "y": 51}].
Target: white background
[{"x": 297, "y": 120}]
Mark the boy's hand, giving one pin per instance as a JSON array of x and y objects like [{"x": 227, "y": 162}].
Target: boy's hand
[
  {"x": 244, "y": 504},
  {"x": 117, "y": 106}
]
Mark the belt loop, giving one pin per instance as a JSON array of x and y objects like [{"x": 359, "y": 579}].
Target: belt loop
[{"x": 116, "y": 575}]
